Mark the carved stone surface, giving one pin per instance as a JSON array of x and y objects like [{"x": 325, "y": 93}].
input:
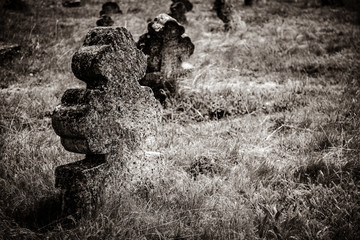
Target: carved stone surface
[
  {"x": 177, "y": 11},
  {"x": 167, "y": 47},
  {"x": 224, "y": 11},
  {"x": 105, "y": 121},
  {"x": 82, "y": 185},
  {"x": 109, "y": 8},
  {"x": 188, "y": 5},
  {"x": 104, "y": 21}
]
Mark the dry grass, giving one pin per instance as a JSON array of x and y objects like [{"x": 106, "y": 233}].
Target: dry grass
[{"x": 261, "y": 142}]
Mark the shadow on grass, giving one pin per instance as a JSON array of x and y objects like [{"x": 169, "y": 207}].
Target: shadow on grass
[
  {"x": 44, "y": 215},
  {"x": 327, "y": 174}
]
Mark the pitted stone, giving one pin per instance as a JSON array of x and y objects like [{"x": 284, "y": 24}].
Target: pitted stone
[
  {"x": 108, "y": 56},
  {"x": 115, "y": 110},
  {"x": 83, "y": 185},
  {"x": 107, "y": 120}
]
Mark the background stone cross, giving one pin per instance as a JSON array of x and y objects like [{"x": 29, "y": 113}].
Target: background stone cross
[
  {"x": 165, "y": 44},
  {"x": 106, "y": 120},
  {"x": 167, "y": 47}
]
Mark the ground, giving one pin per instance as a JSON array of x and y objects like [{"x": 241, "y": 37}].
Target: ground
[{"x": 261, "y": 142}]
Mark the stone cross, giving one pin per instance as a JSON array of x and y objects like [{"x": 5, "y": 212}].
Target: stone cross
[
  {"x": 224, "y": 11},
  {"x": 105, "y": 121},
  {"x": 167, "y": 47}
]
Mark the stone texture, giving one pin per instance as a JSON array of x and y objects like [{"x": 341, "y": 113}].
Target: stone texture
[
  {"x": 104, "y": 21},
  {"x": 224, "y": 11},
  {"x": 177, "y": 11},
  {"x": 82, "y": 183},
  {"x": 105, "y": 121},
  {"x": 109, "y": 8},
  {"x": 167, "y": 47}
]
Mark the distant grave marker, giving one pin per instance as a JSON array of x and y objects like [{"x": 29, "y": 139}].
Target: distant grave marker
[
  {"x": 224, "y": 11},
  {"x": 107, "y": 121},
  {"x": 167, "y": 47}
]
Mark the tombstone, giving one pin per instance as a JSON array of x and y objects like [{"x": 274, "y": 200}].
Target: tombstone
[
  {"x": 109, "y": 8},
  {"x": 177, "y": 11},
  {"x": 71, "y": 3},
  {"x": 107, "y": 121},
  {"x": 167, "y": 47},
  {"x": 224, "y": 11},
  {"x": 104, "y": 21},
  {"x": 188, "y": 5}
]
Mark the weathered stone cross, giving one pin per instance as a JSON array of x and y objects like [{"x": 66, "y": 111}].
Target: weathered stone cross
[
  {"x": 167, "y": 47},
  {"x": 105, "y": 121}
]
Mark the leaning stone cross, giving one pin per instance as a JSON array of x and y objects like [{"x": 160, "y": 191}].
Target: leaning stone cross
[
  {"x": 167, "y": 47},
  {"x": 105, "y": 121}
]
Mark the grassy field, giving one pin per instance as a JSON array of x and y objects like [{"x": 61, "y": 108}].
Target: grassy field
[{"x": 261, "y": 142}]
